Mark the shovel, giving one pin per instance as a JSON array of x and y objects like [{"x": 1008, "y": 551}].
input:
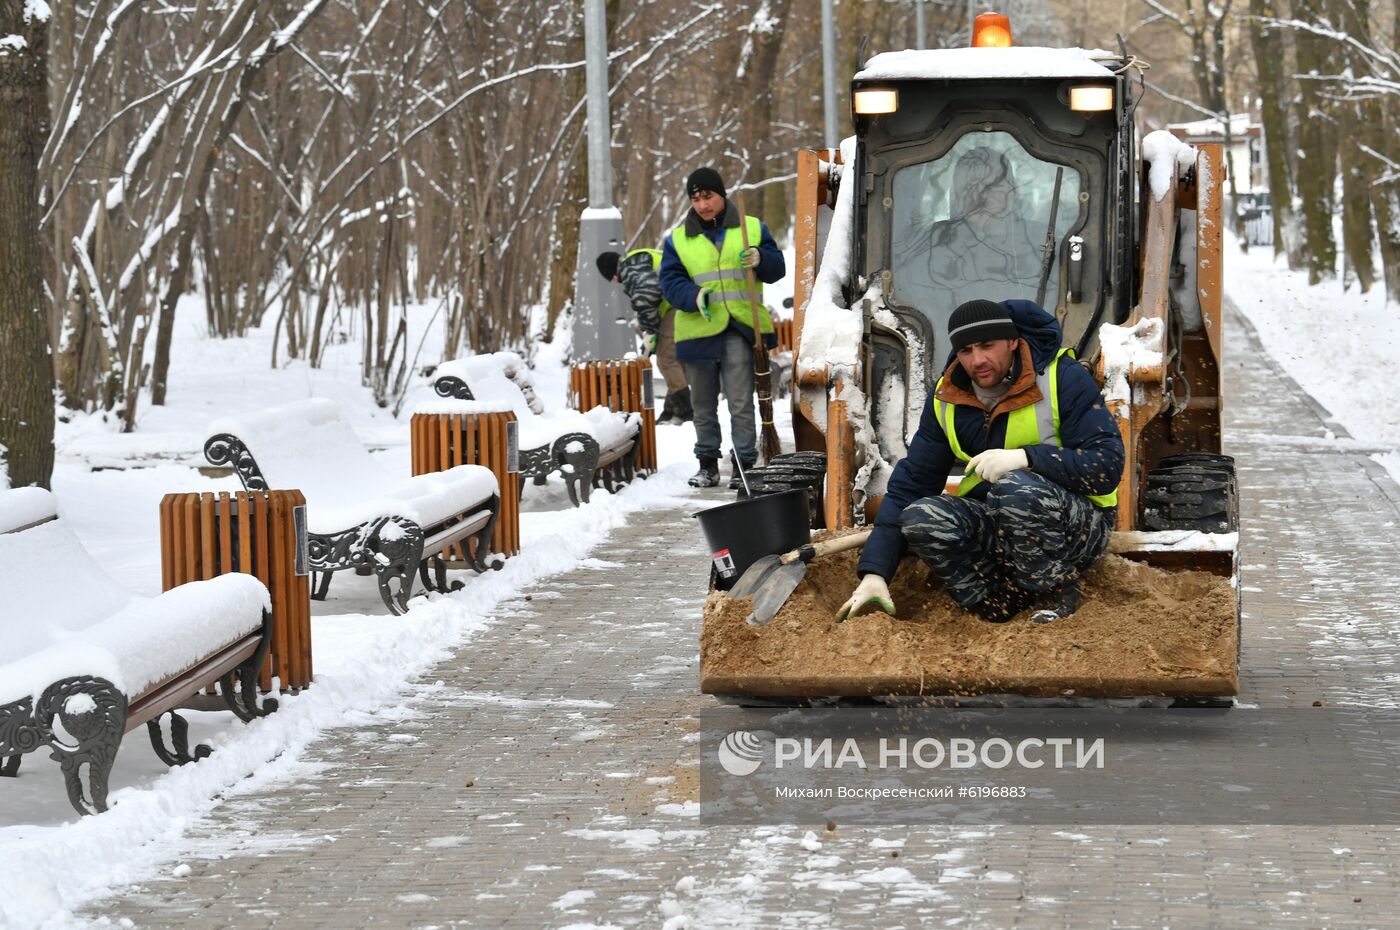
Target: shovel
[{"x": 773, "y": 578}]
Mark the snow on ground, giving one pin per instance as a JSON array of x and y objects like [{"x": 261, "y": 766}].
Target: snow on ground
[
  {"x": 1340, "y": 345},
  {"x": 109, "y": 486}
]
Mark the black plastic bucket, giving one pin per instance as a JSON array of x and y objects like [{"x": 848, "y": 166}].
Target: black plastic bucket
[{"x": 745, "y": 531}]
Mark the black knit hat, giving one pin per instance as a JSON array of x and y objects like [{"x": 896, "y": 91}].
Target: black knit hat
[
  {"x": 704, "y": 179},
  {"x": 980, "y": 321},
  {"x": 607, "y": 264}
]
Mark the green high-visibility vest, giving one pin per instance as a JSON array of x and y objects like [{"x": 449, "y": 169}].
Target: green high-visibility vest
[
  {"x": 664, "y": 307},
  {"x": 1038, "y": 424},
  {"x": 705, "y": 264}
]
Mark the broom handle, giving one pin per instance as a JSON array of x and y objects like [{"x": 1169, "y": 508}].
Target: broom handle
[{"x": 758, "y": 349}]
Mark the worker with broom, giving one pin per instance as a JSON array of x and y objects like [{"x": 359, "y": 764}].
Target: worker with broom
[
  {"x": 706, "y": 268},
  {"x": 1041, "y": 456}
]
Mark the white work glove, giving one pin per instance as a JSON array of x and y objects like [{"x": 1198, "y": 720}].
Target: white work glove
[
  {"x": 994, "y": 464},
  {"x": 749, "y": 257},
  {"x": 702, "y": 300},
  {"x": 871, "y": 594}
]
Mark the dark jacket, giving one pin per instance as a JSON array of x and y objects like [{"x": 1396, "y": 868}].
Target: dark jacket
[
  {"x": 681, "y": 291},
  {"x": 643, "y": 289},
  {"x": 1090, "y": 462}
]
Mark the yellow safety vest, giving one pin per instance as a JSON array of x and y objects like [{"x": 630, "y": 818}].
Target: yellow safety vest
[
  {"x": 705, "y": 263},
  {"x": 664, "y": 307},
  {"x": 1037, "y": 424}
]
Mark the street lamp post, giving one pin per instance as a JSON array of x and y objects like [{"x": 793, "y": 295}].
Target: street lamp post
[{"x": 601, "y": 327}]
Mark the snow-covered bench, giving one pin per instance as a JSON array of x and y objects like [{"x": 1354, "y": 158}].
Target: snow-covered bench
[
  {"x": 78, "y": 649},
  {"x": 359, "y": 516},
  {"x": 595, "y": 447}
]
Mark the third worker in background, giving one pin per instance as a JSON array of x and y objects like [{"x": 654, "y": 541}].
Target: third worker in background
[
  {"x": 636, "y": 272},
  {"x": 704, "y": 268}
]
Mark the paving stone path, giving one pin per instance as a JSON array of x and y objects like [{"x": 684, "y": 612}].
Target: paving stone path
[{"x": 543, "y": 776}]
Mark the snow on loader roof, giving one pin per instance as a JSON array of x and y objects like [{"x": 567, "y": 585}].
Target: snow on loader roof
[{"x": 983, "y": 63}]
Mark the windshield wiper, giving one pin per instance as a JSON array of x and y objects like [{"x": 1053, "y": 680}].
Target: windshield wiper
[{"x": 1047, "y": 253}]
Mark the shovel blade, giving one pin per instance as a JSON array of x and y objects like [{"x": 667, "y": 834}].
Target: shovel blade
[
  {"x": 753, "y": 577},
  {"x": 779, "y": 585}
]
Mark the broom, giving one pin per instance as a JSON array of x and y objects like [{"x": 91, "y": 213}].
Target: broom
[{"x": 769, "y": 446}]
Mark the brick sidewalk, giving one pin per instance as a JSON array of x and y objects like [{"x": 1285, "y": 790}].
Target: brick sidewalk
[{"x": 543, "y": 782}]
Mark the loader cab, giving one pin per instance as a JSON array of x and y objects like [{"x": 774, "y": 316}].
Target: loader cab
[{"x": 977, "y": 177}]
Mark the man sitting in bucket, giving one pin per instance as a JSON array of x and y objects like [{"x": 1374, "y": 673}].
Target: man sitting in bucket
[{"x": 1041, "y": 457}]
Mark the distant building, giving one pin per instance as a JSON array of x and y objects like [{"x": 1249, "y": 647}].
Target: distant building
[{"x": 1246, "y": 155}]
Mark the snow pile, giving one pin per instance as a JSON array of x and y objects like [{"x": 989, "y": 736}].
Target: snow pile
[
  {"x": 13, "y": 43},
  {"x": 306, "y": 445},
  {"x": 464, "y": 408},
  {"x": 64, "y": 617},
  {"x": 23, "y": 507},
  {"x": 1125, "y": 348},
  {"x": 831, "y": 331},
  {"x": 497, "y": 377},
  {"x": 1175, "y": 541},
  {"x": 1169, "y": 158},
  {"x": 984, "y": 63}
]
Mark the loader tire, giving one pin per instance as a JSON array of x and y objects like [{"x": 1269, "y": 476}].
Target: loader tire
[
  {"x": 1192, "y": 491},
  {"x": 788, "y": 472}
]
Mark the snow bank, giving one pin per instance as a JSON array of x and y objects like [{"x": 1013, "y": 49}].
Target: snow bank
[
  {"x": 1168, "y": 157},
  {"x": 983, "y": 63},
  {"x": 1124, "y": 348},
  {"x": 25, "y": 507},
  {"x": 1338, "y": 344},
  {"x": 306, "y": 445}
]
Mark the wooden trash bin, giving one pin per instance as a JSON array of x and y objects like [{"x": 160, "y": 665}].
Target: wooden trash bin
[
  {"x": 260, "y": 533},
  {"x": 491, "y": 439},
  {"x": 624, "y": 386}
]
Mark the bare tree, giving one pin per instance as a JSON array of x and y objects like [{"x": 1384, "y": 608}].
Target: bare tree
[{"x": 26, "y": 375}]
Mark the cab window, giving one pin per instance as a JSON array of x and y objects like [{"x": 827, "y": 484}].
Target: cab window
[{"x": 973, "y": 223}]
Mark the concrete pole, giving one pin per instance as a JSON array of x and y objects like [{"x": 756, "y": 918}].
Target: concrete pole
[
  {"x": 602, "y": 324},
  {"x": 920, "y": 32},
  {"x": 829, "y": 75},
  {"x": 595, "y": 45}
]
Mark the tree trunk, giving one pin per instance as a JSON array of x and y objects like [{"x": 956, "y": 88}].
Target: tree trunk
[
  {"x": 1268, "y": 44},
  {"x": 26, "y": 368},
  {"x": 756, "y": 96},
  {"x": 1359, "y": 121},
  {"x": 1317, "y": 146}
]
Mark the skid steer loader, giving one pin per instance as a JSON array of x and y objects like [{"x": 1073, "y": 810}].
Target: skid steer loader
[{"x": 1120, "y": 240}]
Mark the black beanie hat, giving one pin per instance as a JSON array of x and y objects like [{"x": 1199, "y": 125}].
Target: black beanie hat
[
  {"x": 980, "y": 321},
  {"x": 704, "y": 179},
  {"x": 607, "y": 265}
]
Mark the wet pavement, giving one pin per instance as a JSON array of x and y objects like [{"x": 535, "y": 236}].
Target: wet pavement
[{"x": 546, "y": 775}]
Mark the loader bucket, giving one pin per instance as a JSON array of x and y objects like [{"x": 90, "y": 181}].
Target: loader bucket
[{"x": 1160, "y": 621}]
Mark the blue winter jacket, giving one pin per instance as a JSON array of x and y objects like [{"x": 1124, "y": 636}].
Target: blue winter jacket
[
  {"x": 1090, "y": 461},
  {"x": 677, "y": 287}
]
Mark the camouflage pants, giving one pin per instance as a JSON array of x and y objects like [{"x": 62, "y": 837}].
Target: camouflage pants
[{"x": 1028, "y": 531}]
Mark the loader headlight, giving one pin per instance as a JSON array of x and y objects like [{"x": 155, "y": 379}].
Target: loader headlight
[
  {"x": 875, "y": 100},
  {"x": 1091, "y": 98}
]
